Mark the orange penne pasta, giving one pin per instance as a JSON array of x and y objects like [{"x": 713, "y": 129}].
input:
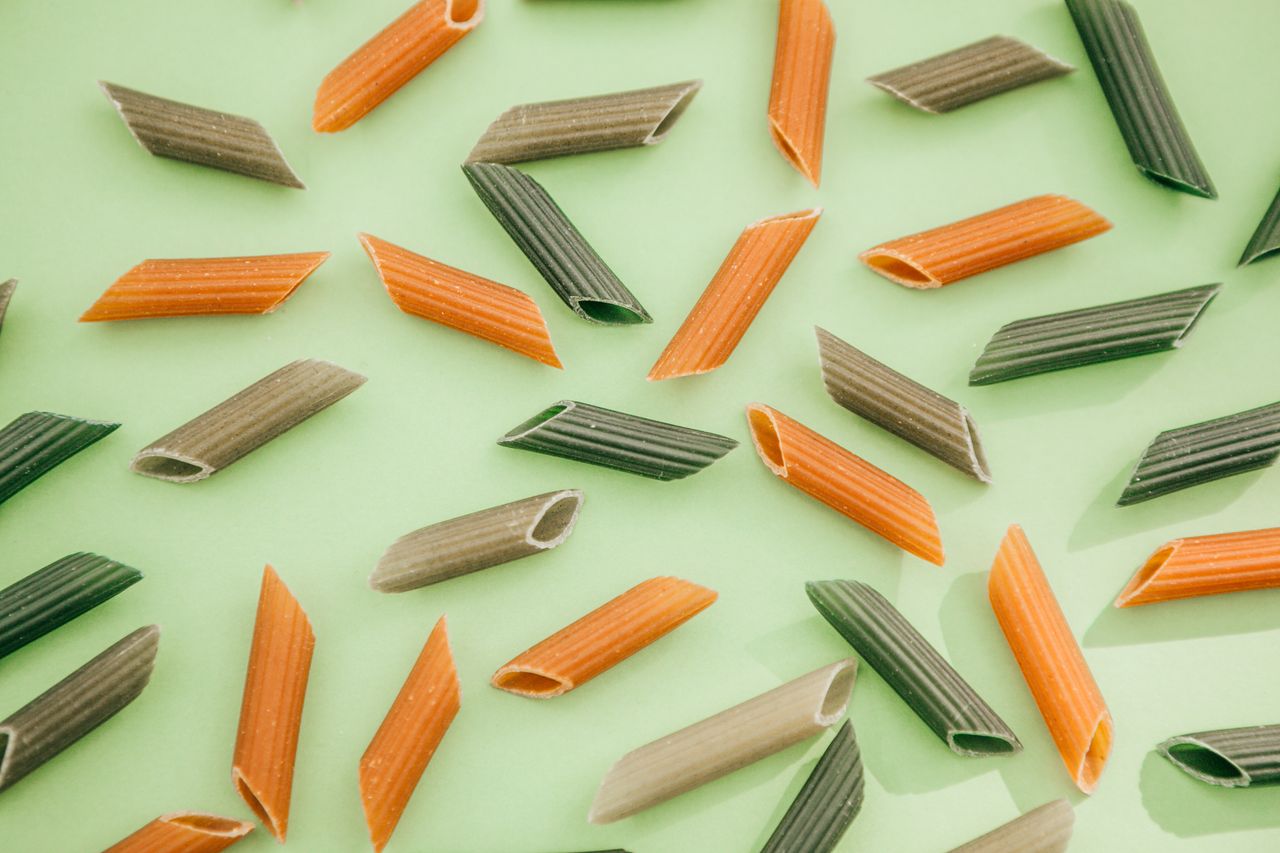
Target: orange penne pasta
[
  {"x": 184, "y": 832},
  {"x": 1050, "y": 659},
  {"x": 731, "y": 301},
  {"x": 461, "y": 300},
  {"x": 847, "y": 483},
  {"x": 986, "y": 241},
  {"x": 403, "y": 745},
  {"x": 801, "y": 74},
  {"x": 390, "y": 59},
  {"x": 271, "y": 710},
  {"x": 1207, "y": 565},
  {"x": 604, "y": 637},
  {"x": 185, "y": 287}
]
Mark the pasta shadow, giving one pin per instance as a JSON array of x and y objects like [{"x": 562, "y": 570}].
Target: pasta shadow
[
  {"x": 1192, "y": 618},
  {"x": 1188, "y": 808}
]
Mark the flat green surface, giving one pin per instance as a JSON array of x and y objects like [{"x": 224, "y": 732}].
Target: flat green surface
[{"x": 82, "y": 203}]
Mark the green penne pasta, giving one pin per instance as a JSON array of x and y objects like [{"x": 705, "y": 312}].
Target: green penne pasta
[
  {"x": 50, "y": 597},
  {"x": 1127, "y": 72},
  {"x": 1232, "y": 758},
  {"x": 76, "y": 705},
  {"x": 37, "y": 442},
  {"x": 536, "y": 224},
  {"x": 913, "y": 668},
  {"x": 1091, "y": 335},
  {"x": 617, "y": 440},
  {"x": 1188, "y": 456},
  {"x": 1266, "y": 239},
  {"x": 967, "y": 74},
  {"x": 827, "y": 803},
  {"x": 6, "y": 293}
]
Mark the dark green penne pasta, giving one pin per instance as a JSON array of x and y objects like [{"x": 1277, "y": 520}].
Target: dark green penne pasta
[
  {"x": 536, "y": 224},
  {"x": 1266, "y": 239},
  {"x": 1127, "y": 72},
  {"x": 967, "y": 74},
  {"x": 50, "y": 597},
  {"x": 913, "y": 668},
  {"x": 1200, "y": 453},
  {"x": 76, "y": 705},
  {"x": 827, "y": 803},
  {"x": 1232, "y": 758},
  {"x": 1091, "y": 335},
  {"x": 37, "y": 442},
  {"x": 210, "y": 138},
  {"x": 617, "y": 440},
  {"x": 6, "y": 293},
  {"x": 936, "y": 424},
  {"x": 582, "y": 125}
]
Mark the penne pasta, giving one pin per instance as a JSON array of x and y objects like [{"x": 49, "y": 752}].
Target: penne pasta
[
  {"x": 188, "y": 287},
  {"x": 34, "y": 444},
  {"x": 461, "y": 300},
  {"x": 801, "y": 75},
  {"x": 617, "y": 440},
  {"x": 210, "y": 138},
  {"x": 1201, "y": 453},
  {"x": 582, "y": 125},
  {"x": 603, "y": 638},
  {"x": 6, "y": 293},
  {"x": 735, "y": 295},
  {"x": 392, "y": 58},
  {"x": 1231, "y": 758},
  {"x": 936, "y": 424},
  {"x": 1139, "y": 100},
  {"x": 1206, "y": 565},
  {"x": 1263, "y": 244},
  {"x": 827, "y": 803},
  {"x": 51, "y": 597},
  {"x": 76, "y": 705},
  {"x": 236, "y": 427},
  {"x": 969, "y": 74},
  {"x": 945, "y": 255},
  {"x": 1091, "y": 335},
  {"x": 556, "y": 248},
  {"x": 940, "y": 697},
  {"x": 1044, "y": 829},
  {"x": 847, "y": 483},
  {"x": 725, "y": 742},
  {"x": 184, "y": 832},
  {"x": 477, "y": 541},
  {"x": 1050, "y": 659},
  {"x": 409, "y": 736},
  {"x": 275, "y": 686}
]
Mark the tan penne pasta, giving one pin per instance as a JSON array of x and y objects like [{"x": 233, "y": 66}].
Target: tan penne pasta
[{"x": 726, "y": 742}]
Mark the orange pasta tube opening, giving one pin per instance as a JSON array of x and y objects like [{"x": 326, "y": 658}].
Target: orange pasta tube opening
[
  {"x": 845, "y": 482},
  {"x": 460, "y": 300},
  {"x": 271, "y": 710},
  {"x": 184, "y": 832},
  {"x": 980, "y": 243},
  {"x": 409, "y": 735},
  {"x": 604, "y": 637},
  {"x": 185, "y": 287},
  {"x": 1206, "y": 565},
  {"x": 801, "y": 75},
  {"x": 735, "y": 295},
  {"x": 390, "y": 59},
  {"x": 1050, "y": 659}
]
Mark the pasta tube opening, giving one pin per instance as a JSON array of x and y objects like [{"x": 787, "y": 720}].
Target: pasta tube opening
[
  {"x": 609, "y": 313},
  {"x": 207, "y": 823},
  {"x": 836, "y": 699},
  {"x": 896, "y": 269},
  {"x": 1144, "y": 576},
  {"x": 537, "y": 420},
  {"x": 1095, "y": 757},
  {"x": 673, "y": 115},
  {"x": 255, "y": 804},
  {"x": 462, "y": 11},
  {"x": 557, "y": 521},
  {"x": 529, "y": 683},
  {"x": 1206, "y": 763},
  {"x": 976, "y": 743},
  {"x": 170, "y": 468},
  {"x": 764, "y": 434}
]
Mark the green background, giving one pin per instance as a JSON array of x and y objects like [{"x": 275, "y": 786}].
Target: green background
[{"x": 81, "y": 203}]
